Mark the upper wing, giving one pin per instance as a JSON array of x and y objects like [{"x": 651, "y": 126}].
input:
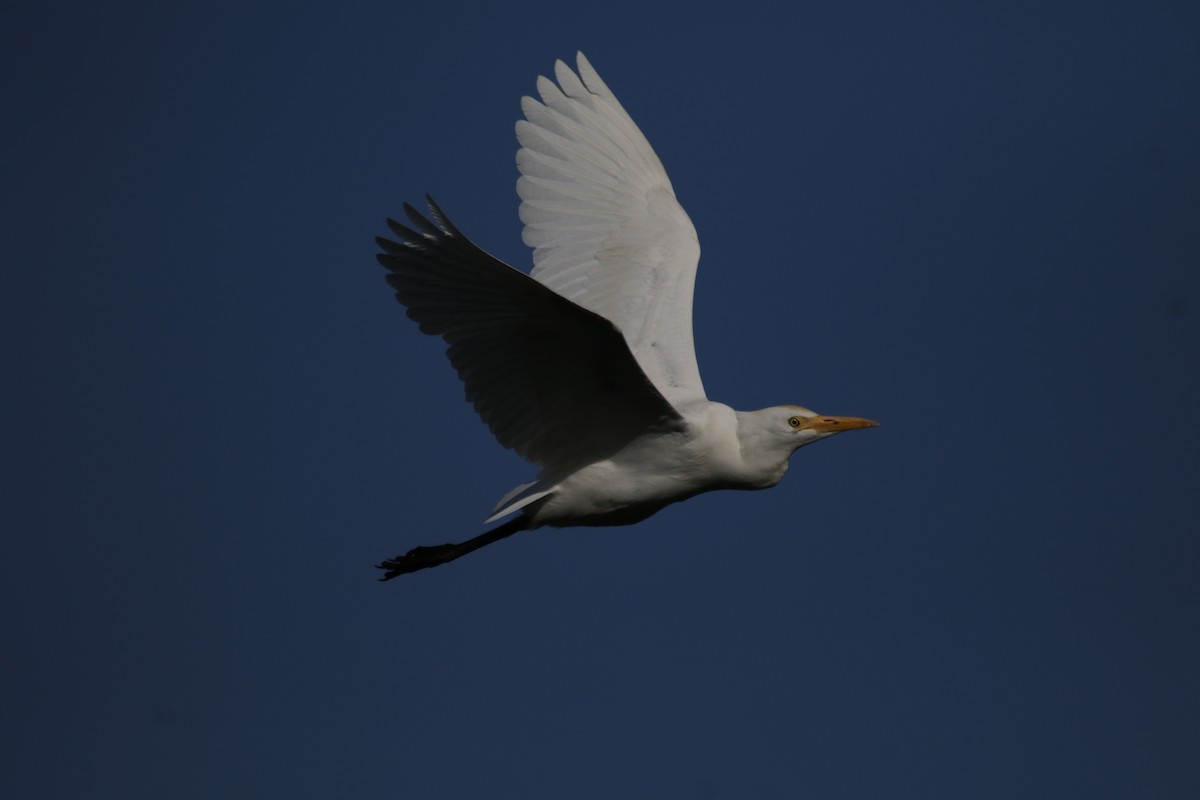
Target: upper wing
[
  {"x": 605, "y": 226},
  {"x": 552, "y": 380}
]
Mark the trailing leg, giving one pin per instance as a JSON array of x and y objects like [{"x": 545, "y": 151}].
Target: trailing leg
[{"x": 424, "y": 557}]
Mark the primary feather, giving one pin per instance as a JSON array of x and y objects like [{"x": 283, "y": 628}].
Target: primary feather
[{"x": 552, "y": 380}]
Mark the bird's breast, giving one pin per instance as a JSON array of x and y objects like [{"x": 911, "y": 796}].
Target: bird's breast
[{"x": 650, "y": 473}]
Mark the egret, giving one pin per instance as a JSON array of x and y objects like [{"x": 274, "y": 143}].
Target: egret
[{"x": 586, "y": 366}]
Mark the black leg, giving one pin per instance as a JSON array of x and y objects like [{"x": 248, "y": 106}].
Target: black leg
[{"x": 424, "y": 557}]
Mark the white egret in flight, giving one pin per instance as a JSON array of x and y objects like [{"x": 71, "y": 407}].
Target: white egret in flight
[{"x": 587, "y": 368}]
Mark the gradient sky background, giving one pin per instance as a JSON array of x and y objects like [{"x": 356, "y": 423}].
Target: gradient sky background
[{"x": 979, "y": 226}]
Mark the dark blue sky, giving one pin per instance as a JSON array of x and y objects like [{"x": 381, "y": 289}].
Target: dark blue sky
[{"x": 979, "y": 226}]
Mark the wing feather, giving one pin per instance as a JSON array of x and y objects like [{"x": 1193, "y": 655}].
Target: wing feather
[
  {"x": 551, "y": 379},
  {"x": 606, "y": 228}
]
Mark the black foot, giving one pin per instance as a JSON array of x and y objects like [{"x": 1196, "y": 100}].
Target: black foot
[{"x": 419, "y": 558}]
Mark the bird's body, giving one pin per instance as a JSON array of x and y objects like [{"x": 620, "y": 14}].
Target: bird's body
[
  {"x": 587, "y": 368},
  {"x": 654, "y": 471},
  {"x": 658, "y": 469}
]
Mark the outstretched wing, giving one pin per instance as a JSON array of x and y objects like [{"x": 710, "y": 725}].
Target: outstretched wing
[
  {"x": 552, "y": 380},
  {"x": 605, "y": 226}
]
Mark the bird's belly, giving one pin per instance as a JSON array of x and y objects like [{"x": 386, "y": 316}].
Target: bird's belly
[{"x": 613, "y": 493}]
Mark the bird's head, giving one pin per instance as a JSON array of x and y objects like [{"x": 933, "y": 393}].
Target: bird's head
[
  {"x": 767, "y": 438},
  {"x": 789, "y": 428},
  {"x": 808, "y": 426}
]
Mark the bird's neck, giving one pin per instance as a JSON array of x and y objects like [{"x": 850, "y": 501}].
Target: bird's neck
[{"x": 764, "y": 456}]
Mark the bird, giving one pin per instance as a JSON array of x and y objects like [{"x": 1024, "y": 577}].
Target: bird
[{"x": 586, "y": 366}]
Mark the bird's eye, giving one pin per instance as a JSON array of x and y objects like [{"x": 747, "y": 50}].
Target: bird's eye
[{"x": 794, "y": 422}]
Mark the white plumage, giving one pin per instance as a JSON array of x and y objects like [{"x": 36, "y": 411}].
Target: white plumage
[
  {"x": 606, "y": 229},
  {"x": 588, "y": 368}
]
